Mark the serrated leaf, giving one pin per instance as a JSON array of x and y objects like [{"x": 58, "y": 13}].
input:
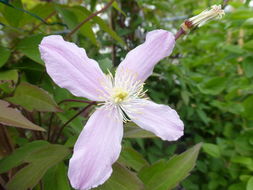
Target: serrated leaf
[
  {"x": 39, "y": 162},
  {"x": 33, "y": 98},
  {"x": 4, "y": 55},
  {"x": 131, "y": 130},
  {"x": 122, "y": 179},
  {"x": 12, "y": 117},
  {"x": 165, "y": 175},
  {"x": 29, "y": 46}
]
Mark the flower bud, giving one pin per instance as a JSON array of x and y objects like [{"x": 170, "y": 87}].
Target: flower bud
[{"x": 216, "y": 11}]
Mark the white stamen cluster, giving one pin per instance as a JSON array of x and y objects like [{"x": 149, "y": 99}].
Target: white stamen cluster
[
  {"x": 216, "y": 11},
  {"x": 121, "y": 92}
]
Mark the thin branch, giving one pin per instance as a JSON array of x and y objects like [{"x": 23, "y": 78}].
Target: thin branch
[
  {"x": 88, "y": 18},
  {"x": 72, "y": 118}
]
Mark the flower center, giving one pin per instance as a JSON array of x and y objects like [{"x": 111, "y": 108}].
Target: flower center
[{"x": 119, "y": 95}]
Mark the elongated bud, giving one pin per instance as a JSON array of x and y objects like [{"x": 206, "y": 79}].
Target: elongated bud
[{"x": 215, "y": 12}]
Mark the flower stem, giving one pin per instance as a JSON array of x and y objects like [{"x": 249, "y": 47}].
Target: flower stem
[
  {"x": 180, "y": 33},
  {"x": 87, "y": 19},
  {"x": 71, "y": 119}
]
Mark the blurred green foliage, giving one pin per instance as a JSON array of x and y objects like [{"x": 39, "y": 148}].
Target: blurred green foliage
[{"x": 207, "y": 79}]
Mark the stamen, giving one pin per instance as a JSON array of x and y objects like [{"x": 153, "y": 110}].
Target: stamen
[{"x": 121, "y": 92}]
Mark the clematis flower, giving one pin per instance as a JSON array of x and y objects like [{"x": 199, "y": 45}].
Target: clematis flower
[{"x": 122, "y": 99}]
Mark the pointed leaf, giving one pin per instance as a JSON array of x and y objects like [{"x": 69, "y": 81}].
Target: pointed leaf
[
  {"x": 29, "y": 46},
  {"x": 122, "y": 179},
  {"x": 4, "y": 55},
  {"x": 131, "y": 130},
  {"x": 19, "y": 155},
  {"x": 39, "y": 162},
  {"x": 13, "y": 117},
  {"x": 165, "y": 175},
  {"x": 56, "y": 178},
  {"x": 133, "y": 159},
  {"x": 33, "y": 98}
]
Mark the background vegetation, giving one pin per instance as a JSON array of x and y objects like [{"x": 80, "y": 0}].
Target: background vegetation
[{"x": 207, "y": 79}]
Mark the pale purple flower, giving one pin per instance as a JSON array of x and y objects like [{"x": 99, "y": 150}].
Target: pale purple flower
[{"x": 99, "y": 144}]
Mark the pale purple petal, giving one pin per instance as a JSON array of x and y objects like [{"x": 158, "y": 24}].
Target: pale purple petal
[
  {"x": 70, "y": 68},
  {"x": 96, "y": 149},
  {"x": 157, "y": 118},
  {"x": 141, "y": 60}
]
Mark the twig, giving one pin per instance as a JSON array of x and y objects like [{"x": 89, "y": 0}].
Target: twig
[
  {"x": 88, "y": 18},
  {"x": 71, "y": 119}
]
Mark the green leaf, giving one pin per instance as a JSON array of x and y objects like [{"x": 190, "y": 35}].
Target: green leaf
[
  {"x": 4, "y": 55},
  {"x": 211, "y": 149},
  {"x": 13, "y": 117},
  {"x": 213, "y": 86},
  {"x": 234, "y": 49},
  {"x": 68, "y": 16},
  {"x": 39, "y": 161},
  {"x": 131, "y": 130},
  {"x": 248, "y": 107},
  {"x": 19, "y": 155},
  {"x": 248, "y": 45},
  {"x": 248, "y": 66},
  {"x": 122, "y": 179},
  {"x": 33, "y": 98},
  {"x": 9, "y": 75},
  {"x": 56, "y": 178},
  {"x": 12, "y": 15},
  {"x": 250, "y": 184},
  {"x": 242, "y": 14},
  {"x": 29, "y": 46},
  {"x": 76, "y": 16},
  {"x": 131, "y": 158},
  {"x": 8, "y": 80},
  {"x": 105, "y": 65},
  {"x": 247, "y": 161},
  {"x": 116, "y": 6},
  {"x": 102, "y": 24},
  {"x": 166, "y": 175}
]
